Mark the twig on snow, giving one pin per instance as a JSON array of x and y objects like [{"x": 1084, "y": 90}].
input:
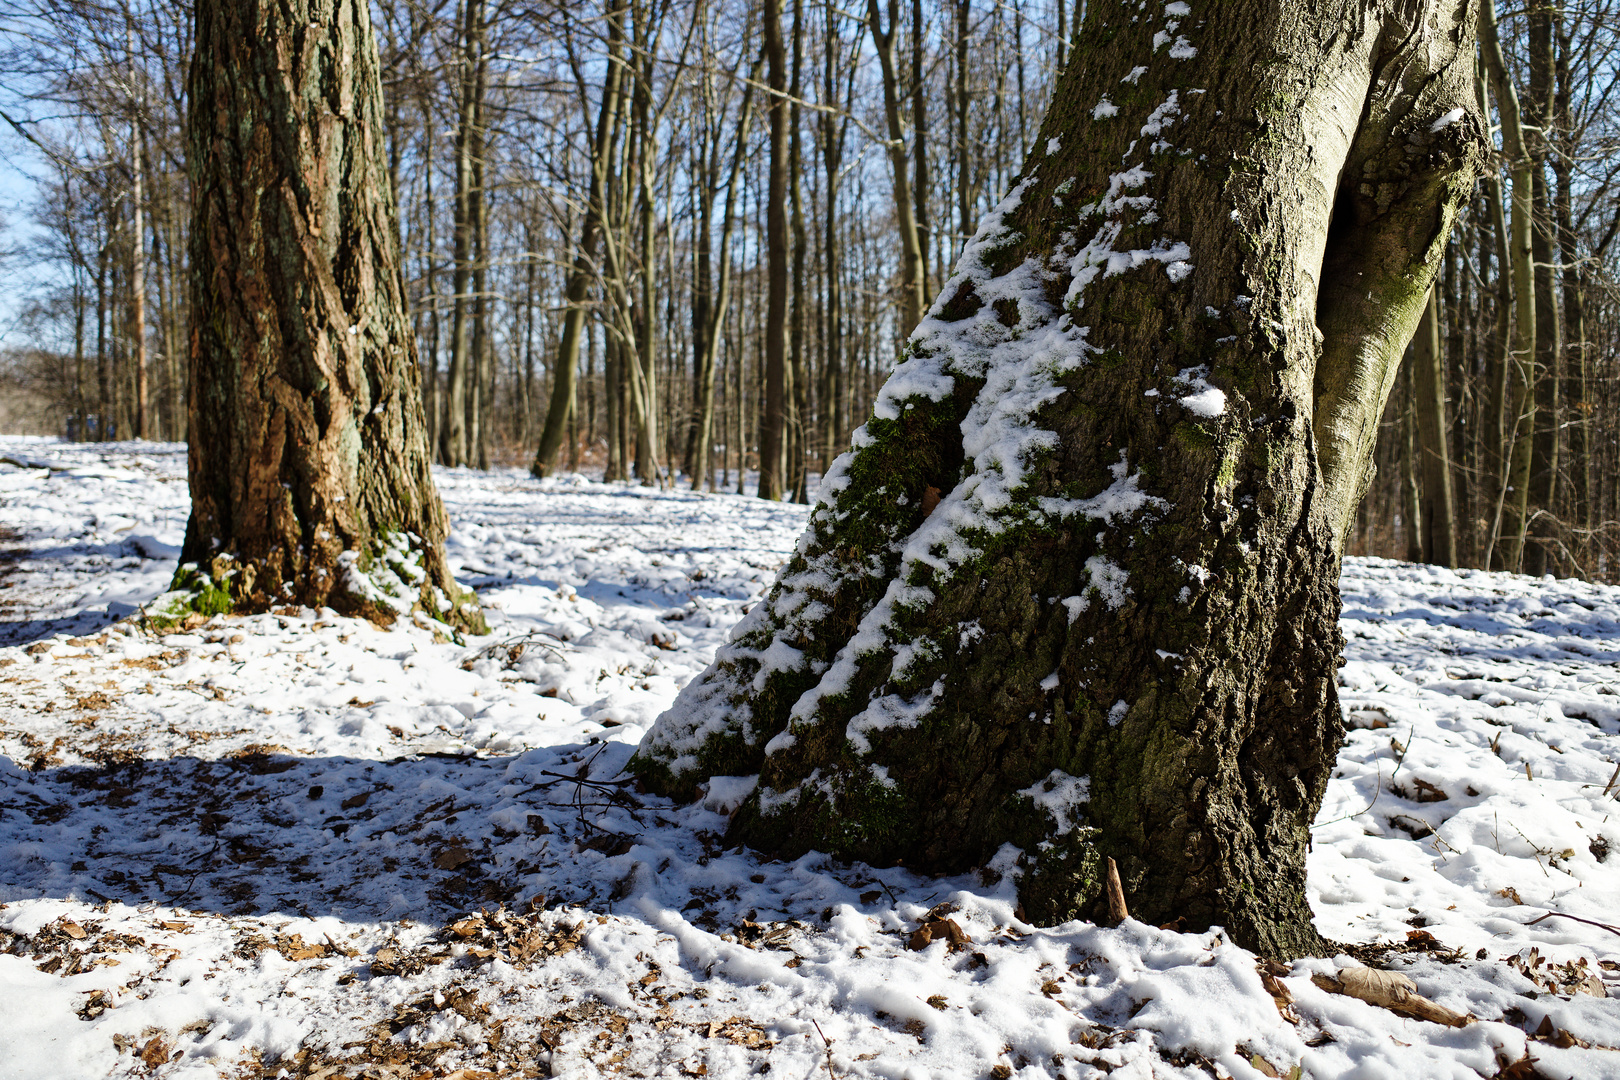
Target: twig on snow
[
  {"x": 828, "y": 1044},
  {"x": 1576, "y": 918}
]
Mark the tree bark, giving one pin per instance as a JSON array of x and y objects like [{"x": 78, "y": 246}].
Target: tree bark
[
  {"x": 309, "y": 467},
  {"x": 1074, "y": 588}
]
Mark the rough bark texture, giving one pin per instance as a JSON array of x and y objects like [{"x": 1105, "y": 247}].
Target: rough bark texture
[
  {"x": 309, "y": 460},
  {"x": 1073, "y": 594}
]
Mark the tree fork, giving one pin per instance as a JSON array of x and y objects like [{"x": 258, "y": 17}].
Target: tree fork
[{"x": 1072, "y": 596}]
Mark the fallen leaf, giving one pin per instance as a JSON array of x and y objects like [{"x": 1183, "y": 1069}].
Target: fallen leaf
[
  {"x": 1390, "y": 990},
  {"x": 73, "y": 930},
  {"x": 354, "y": 801},
  {"x": 156, "y": 1051},
  {"x": 1422, "y": 939},
  {"x": 451, "y": 857},
  {"x": 1264, "y": 1066}
]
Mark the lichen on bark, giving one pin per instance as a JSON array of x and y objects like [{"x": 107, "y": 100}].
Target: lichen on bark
[{"x": 1087, "y": 542}]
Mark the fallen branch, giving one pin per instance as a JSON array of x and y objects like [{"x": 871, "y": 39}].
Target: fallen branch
[{"x": 1576, "y": 918}]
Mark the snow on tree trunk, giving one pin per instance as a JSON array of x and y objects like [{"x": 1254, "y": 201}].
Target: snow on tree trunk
[
  {"x": 309, "y": 461},
  {"x": 1073, "y": 594}
]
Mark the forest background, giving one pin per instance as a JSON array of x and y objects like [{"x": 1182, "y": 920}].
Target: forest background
[{"x": 615, "y": 160}]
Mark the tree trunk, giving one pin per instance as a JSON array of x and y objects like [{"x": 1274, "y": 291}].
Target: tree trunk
[
  {"x": 565, "y": 370},
  {"x": 1518, "y": 402},
  {"x": 309, "y": 461},
  {"x": 1544, "y": 456},
  {"x": 708, "y": 330},
  {"x": 919, "y": 147},
  {"x": 771, "y": 431},
  {"x": 1074, "y": 588},
  {"x": 1574, "y": 312},
  {"x": 1437, "y": 525},
  {"x": 137, "y": 282},
  {"x": 798, "y": 404},
  {"x": 461, "y": 379},
  {"x": 913, "y": 298}
]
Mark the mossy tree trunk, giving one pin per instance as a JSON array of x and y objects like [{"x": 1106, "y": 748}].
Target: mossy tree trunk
[
  {"x": 309, "y": 460},
  {"x": 1075, "y": 588}
]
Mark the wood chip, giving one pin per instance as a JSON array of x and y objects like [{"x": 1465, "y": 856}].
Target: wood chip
[{"x": 1389, "y": 990}]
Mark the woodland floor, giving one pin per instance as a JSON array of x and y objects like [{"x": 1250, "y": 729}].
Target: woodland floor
[{"x": 297, "y": 845}]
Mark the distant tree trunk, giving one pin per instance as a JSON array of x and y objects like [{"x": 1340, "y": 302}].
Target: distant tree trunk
[
  {"x": 771, "y": 442},
  {"x": 564, "y": 370},
  {"x": 309, "y": 457},
  {"x": 798, "y": 404},
  {"x": 1437, "y": 526},
  {"x": 964, "y": 189},
  {"x": 1518, "y": 400},
  {"x": 1544, "y": 467},
  {"x": 462, "y": 377},
  {"x": 708, "y": 330},
  {"x": 919, "y": 147},
  {"x": 137, "y": 281},
  {"x": 1075, "y": 588},
  {"x": 913, "y": 297},
  {"x": 430, "y": 362},
  {"x": 1575, "y": 392},
  {"x": 104, "y": 390},
  {"x": 832, "y": 129}
]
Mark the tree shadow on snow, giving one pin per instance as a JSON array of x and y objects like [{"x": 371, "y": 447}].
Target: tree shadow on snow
[{"x": 422, "y": 837}]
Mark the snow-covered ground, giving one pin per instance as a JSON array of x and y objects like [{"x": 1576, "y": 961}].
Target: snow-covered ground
[{"x": 297, "y": 845}]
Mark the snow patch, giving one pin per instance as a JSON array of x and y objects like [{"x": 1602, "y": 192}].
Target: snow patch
[{"x": 1061, "y": 796}]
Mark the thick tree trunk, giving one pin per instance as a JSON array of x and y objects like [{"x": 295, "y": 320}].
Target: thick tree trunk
[
  {"x": 1075, "y": 588},
  {"x": 309, "y": 460}
]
